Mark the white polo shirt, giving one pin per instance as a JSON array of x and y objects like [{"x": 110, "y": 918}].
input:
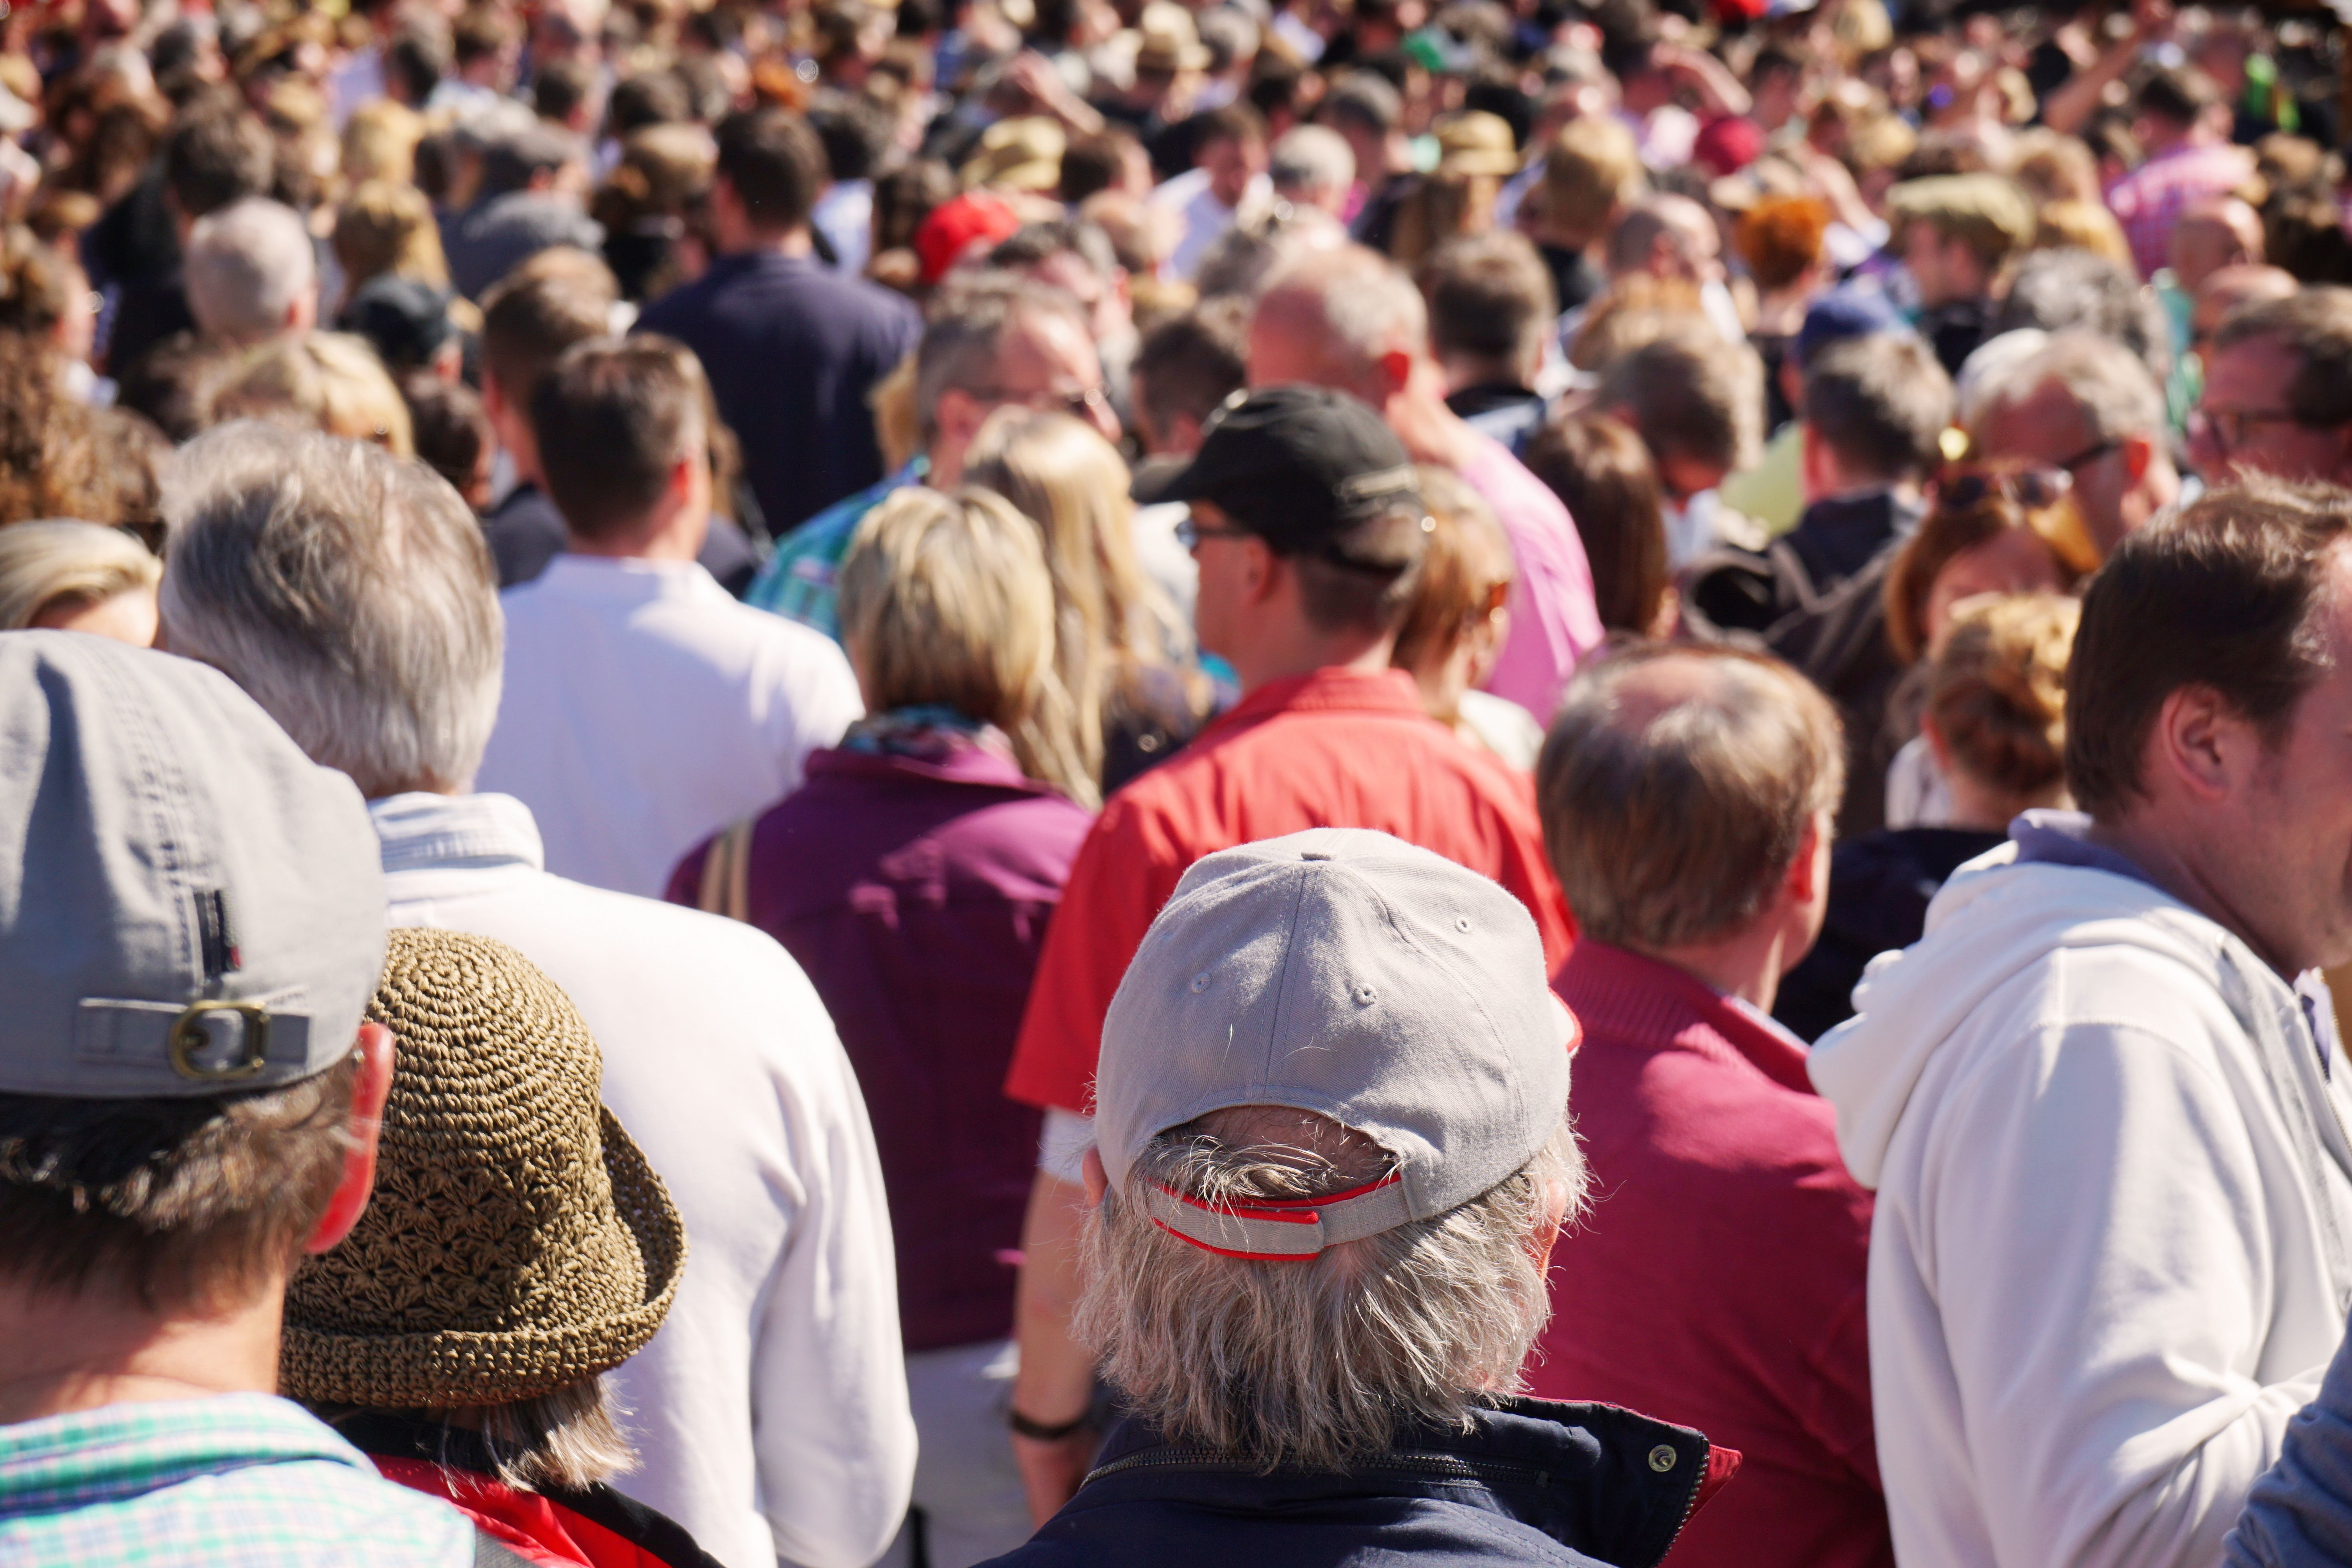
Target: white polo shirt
[{"x": 645, "y": 709}]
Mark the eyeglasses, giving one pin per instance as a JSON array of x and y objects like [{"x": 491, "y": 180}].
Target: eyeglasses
[
  {"x": 1192, "y": 531},
  {"x": 2228, "y": 428},
  {"x": 2088, "y": 454},
  {"x": 2032, "y": 488},
  {"x": 1083, "y": 404}
]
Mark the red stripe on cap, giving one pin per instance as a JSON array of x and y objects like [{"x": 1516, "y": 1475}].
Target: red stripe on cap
[
  {"x": 1284, "y": 1210},
  {"x": 1228, "y": 1252}
]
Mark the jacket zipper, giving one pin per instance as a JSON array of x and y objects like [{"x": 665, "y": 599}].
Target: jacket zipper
[{"x": 1690, "y": 1504}]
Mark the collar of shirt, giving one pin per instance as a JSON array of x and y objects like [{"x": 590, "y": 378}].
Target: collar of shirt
[
  {"x": 626, "y": 579},
  {"x": 1332, "y": 689},
  {"x": 762, "y": 260},
  {"x": 120, "y": 1451},
  {"x": 420, "y": 832}
]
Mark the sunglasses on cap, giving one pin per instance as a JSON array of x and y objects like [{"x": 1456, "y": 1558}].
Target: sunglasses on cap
[{"x": 2045, "y": 495}]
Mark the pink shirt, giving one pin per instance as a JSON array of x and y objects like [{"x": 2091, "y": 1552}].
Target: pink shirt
[{"x": 1554, "y": 623}]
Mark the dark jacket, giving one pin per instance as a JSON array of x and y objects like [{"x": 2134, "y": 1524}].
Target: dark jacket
[
  {"x": 915, "y": 894},
  {"x": 792, "y": 348},
  {"x": 1565, "y": 1486},
  {"x": 1834, "y": 634},
  {"x": 593, "y": 1527},
  {"x": 1879, "y": 887}
]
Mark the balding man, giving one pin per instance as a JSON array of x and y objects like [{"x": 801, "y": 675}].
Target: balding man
[
  {"x": 2087, "y": 407},
  {"x": 1349, "y": 320},
  {"x": 2219, "y": 232},
  {"x": 251, "y": 272},
  {"x": 2278, "y": 391},
  {"x": 2227, "y": 289},
  {"x": 1675, "y": 238}
]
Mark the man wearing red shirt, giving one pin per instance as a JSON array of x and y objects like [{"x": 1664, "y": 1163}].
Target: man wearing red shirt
[
  {"x": 1309, "y": 531},
  {"x": 1719, "y": 1278}
]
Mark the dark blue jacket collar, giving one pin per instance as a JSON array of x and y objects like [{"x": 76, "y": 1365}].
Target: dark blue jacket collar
[{"x": 1608, "y": 1484}]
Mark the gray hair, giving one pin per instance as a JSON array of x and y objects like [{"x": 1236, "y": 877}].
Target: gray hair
[
  {"x": 966, "y": 330},
  {"x": 1314, "y": 1364},
  {"x": 2109, "y": 384},
  {"x": 2066, "y": 288},
  {"x": 1356, "y": 304},
  {"x": 349, "y": 592},
  {"x": 247, "y": 264},
  {"x": 1308, "y": 158},
  {"x": 44, "y": 562}
]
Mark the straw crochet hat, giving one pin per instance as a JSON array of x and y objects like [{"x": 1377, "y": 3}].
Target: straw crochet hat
[{"x": 517, "y": 1242}]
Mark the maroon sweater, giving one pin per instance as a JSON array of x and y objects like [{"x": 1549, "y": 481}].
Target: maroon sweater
[
  {"x": 915, "y": 895},
  {"x": 1718, "y": 1282}
]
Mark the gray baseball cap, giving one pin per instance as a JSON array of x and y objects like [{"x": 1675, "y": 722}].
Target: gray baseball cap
[
  {"x": 188, "y": 904},
  {"x": 1349, "y": 973}
]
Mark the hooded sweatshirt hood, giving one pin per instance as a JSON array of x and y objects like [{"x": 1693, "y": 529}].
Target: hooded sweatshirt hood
[{"x": 1997, "y": 915}]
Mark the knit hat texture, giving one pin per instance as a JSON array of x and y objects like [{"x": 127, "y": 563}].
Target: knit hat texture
[{"x": 517, "y": 1241}]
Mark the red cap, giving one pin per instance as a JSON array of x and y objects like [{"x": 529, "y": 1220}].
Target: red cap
[
  {"x": 1728, "y": 145},
  {"x": 956, "y": 225}
]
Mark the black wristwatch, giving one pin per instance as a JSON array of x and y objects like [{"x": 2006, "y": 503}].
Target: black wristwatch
[{"x": 1037, "y": 1431}]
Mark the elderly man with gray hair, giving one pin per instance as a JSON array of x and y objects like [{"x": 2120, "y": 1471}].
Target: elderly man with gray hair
[
  {"x": 351, "y": 594},
  {"x": 2087, "y": 407},
  {"x": 1316, "y": 1257},
  {"x": 252, "y": 272}
]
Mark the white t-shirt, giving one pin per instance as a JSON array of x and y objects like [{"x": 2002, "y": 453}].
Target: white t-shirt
[
  {"x": 644, "y": 710},
  {"x": 770, "y": 1414},
  {"x": 1202, "y": 219}
]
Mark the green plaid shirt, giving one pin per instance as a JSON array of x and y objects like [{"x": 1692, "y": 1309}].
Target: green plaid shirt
[
  {"x": 797, "y": 581},
  {"x": 243, "y": 1480}
]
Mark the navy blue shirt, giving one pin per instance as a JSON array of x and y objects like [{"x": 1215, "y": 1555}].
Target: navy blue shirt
[{"x": 792, "y": 348}]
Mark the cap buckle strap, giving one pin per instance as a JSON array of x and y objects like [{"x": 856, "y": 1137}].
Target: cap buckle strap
[
  {"x": 190, "y": 1035},
  {"x": 1279, "y": 1231}
]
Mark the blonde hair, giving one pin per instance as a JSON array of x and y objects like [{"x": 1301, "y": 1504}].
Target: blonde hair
[
  {"x": 2083, "y": 225},
  {"x": 383, "y": 227},
  {"x": 45, "y": 562},
  {"x": 329, "y": 381},
  {"x": 380, "y": 141},
  {"x": 1997, "y": 689},
  {"x": 1115, "y": 631},
  {"x": 1468, "y": 558},
  {"x": 946, "y": 600}
]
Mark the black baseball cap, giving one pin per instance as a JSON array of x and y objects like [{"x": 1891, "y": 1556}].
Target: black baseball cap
[{"x": 1299, "y": 466}]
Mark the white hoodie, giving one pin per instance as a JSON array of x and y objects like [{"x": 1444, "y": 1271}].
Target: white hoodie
[{"x": 2109, "y": 1259}]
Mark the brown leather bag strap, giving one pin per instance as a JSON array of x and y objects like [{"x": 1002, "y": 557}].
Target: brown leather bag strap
[{"x": 726, "y": 874}]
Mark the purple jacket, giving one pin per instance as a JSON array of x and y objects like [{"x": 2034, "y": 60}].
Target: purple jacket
[{"x": 916, "y": 895}]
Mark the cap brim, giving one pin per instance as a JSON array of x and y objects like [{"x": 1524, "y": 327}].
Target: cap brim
[{"x": 451, "y": 1367}]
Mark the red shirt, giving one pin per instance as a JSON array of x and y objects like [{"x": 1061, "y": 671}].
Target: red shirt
[
  {"x": 1718, "y": 1280},
  {"x": 1332, "y": 749}
]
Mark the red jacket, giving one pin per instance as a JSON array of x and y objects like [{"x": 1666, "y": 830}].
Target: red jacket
[
  {"x": 1718, "y": 1282},
  {"x": 595, "y": 1527}
]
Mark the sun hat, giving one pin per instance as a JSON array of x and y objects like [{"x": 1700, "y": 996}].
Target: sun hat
[
  {"x": 1019, "y": 155},
  {"x": 1349, "y": 973},
  {"x": 517, "y": 1241},
  {"x": 1476, "y": 143},
  {"x": 189, "y": 906}
]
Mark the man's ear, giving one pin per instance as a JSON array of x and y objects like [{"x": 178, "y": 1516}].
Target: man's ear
[
  {"x": 1262, "y": 570},
  {"x": 1395, "y": 369},
  {"x": 2137, "y": 452},
  {"x": 2200, "y": 742},
  {"x": 1091, "y": 1172},
  {"x": 369, "y": 1089},
  {"x": 1805, "y": 866}
]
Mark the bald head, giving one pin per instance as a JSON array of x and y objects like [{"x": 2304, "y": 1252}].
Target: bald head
[
  {"x": 1347, "y": 320},
  {"x": 1678, "y": 786},
  {"x": 2219, "y": 232},
  {"x": 2231, "y": 286},
  {"x": 1667, "y": 236}
]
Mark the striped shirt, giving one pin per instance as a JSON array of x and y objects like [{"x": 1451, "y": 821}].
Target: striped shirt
[
  {"x": 243, "y": 1480},
  {"x": 2148, "y": 202},
  {"x": 797, "y": 583}
]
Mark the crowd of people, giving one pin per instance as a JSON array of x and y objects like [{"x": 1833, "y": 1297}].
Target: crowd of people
[{"x": 858, "y": 782}]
